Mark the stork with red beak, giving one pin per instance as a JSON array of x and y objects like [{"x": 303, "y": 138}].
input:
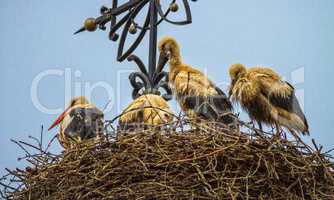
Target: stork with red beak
[{"x": 80, "y": 121}]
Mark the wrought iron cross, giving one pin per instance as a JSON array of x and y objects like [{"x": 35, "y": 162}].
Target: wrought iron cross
[{"x": 145, "y": 81}]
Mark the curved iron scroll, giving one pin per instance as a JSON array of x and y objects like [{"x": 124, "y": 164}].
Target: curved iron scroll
[
  {"x": 150, "y": 79},
  {"x": 144, "y": 84}
]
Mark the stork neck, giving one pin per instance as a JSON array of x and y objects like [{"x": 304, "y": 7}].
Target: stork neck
[{"x": 175, "y": 59}]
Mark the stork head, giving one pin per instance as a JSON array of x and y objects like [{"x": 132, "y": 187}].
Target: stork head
[
  {"x": 78, "y": 100},
  {"x": 75, "y": 101},
  {"x": 237, "y": 71},
  {"x": 168, "y": 45},
  {"x": 169, "y": 49}
]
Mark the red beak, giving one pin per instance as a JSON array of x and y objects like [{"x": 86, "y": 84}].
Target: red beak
[{"x": 59, "y": 119}]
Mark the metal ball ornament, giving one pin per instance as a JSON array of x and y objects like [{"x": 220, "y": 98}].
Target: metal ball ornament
[
  {"x": 133, "y": 29},
  {"x": 174, "y": 7},
  {"x": 90, "y": 25}
]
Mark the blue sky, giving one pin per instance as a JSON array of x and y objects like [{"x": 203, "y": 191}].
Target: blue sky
[{"x": 293, "y": 37}]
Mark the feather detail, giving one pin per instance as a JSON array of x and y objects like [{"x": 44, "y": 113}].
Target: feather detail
[
  {"x": 267, "y": 98},
  {"x": 148, "y": 109},
  {"x": 82, "y": 121},
  {"x": 195, "y": 92}
]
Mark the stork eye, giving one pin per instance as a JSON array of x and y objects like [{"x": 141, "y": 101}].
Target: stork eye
[{"x": 163, "y": 47}]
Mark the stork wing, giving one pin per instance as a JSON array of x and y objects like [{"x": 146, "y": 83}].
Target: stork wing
[
  {"x": 197, "y": 92},
  {"x": 289, "y": 103},
  {"x": 221, "y": 101},
  {"x": 210, "y": 108},
  {"x": 144, "y": 110},
  {"x": 86, "y": 123},
  {"x": 192, "y": 83},
  {"x": 271, "y": 85},
  {"x": 279, "y": 93}
]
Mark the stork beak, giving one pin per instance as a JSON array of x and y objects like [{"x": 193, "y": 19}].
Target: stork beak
[
  {"x": 163, "y": 59},
  {"x": 59, "y": 119},
  {"x": 80, "y": 30}
]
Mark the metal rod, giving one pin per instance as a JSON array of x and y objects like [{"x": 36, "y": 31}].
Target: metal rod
[
  {"x": 153, "y": 39},
  {"x": 124, "y": 7},
  {"x": 113, "y": 20}
]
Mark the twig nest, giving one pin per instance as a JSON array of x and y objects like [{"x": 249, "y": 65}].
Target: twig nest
[{"x": 204, "y": 161}]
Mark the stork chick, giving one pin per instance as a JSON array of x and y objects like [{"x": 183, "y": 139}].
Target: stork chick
[
  {"x": 148, "y": 109},
  {"x": 80, "y": 121},
  {"x": 267, "y": 98},
  {"x": 197, "y": 96}
]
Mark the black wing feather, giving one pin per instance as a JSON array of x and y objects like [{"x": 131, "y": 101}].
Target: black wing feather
[
  {"x": 221, "y": 102},
  {"x": 290, "y": 104},
  {"x": 211, "y": 107},
  {"x": 86, "y": 123}
]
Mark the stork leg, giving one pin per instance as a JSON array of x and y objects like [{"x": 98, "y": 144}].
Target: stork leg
[
  {"x": 251, "y": 123},
  {"x": 260, "y": 125},
  {"x": 278, "y": 130},
  {"x": 294, "y": 133}
]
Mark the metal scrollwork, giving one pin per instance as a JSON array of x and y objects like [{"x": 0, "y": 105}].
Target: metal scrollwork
[{"x": 152, "y": 78}]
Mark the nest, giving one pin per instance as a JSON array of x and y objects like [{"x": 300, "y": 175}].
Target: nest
[{"x": 178, "y": 161}]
